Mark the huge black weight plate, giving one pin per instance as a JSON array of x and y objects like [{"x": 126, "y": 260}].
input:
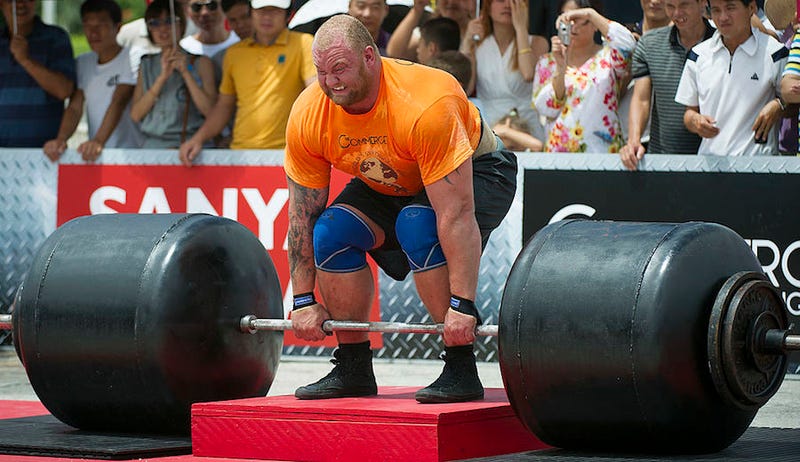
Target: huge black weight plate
[
  {"x": 752, "y": 375},
  {"x": 124, "y": 321},
  {"x": 603, "y": 335},
  {"x": 719, "y": 311}
]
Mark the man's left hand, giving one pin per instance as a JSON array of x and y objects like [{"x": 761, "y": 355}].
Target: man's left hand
[
  {"x": 766, "y": 119},
  {"x": 459, "y": 328}
]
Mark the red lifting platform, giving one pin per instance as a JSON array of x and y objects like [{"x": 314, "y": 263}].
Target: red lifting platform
[{"x": 387, "y": 427}]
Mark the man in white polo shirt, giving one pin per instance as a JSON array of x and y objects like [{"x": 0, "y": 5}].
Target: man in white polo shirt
[
  {"x": 731, "y": 85},
  {"x": 212, "y": 36}
]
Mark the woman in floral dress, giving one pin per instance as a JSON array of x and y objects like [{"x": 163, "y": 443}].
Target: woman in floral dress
[{"x": 576, "y": 86}]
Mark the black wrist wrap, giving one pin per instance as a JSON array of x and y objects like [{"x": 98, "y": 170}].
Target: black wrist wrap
[
  {"x": 303, "y": 300},
  {"x": 466, "y": 306}
]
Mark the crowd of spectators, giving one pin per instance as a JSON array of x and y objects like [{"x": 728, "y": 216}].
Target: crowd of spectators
[{"x": 709, "y": 77}]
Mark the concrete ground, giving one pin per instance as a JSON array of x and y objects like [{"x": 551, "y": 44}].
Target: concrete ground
[{"x": 782, "y": 411}]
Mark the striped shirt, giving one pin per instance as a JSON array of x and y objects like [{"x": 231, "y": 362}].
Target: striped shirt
[
  {"x": 29, "y": 116},
  {"x": 793, "y": 62},
  {"x": 660, "y": 56}
]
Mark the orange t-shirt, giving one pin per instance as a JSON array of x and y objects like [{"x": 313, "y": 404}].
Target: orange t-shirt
[{"x": 421, "y": 128}]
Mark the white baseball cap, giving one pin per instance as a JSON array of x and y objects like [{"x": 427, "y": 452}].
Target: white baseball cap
[{"x": 256, "y": 4}]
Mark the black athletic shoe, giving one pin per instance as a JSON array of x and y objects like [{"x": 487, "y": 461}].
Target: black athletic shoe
[
  {"x": 459, "y": 379},
  {"x": 351, "y": 376}
]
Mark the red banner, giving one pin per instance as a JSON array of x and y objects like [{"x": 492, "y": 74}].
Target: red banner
[{"x": 255, "y": 196}]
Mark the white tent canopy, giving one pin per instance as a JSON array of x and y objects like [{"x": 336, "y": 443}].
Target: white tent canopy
[{"x": 316, "y": 9}]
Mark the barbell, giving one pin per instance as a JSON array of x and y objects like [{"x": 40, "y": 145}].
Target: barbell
[{"x": 651, "y": 337}]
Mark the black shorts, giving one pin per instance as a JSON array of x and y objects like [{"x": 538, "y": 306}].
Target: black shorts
[{"x": 494, "y": 182}]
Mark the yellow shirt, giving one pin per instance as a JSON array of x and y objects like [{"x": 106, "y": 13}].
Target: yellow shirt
[
  {"x": 421, "y": 128},
  {"x": 265, "y": 80}
]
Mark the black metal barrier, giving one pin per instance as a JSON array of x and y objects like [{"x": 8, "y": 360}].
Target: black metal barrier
[{"x": 755, "y": 197}]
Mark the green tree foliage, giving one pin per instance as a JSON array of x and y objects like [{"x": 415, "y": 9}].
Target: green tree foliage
[
  {"x": 68, "y": 16},
  {"x": 68, "y": 12}
]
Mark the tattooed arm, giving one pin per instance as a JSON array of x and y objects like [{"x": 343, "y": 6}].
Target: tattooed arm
[{"x": 305, "y": 206}]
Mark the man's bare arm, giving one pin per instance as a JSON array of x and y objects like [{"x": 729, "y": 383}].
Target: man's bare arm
[
  {"x": 305, "y": 206},
  {"x": 453, "y": 201}
]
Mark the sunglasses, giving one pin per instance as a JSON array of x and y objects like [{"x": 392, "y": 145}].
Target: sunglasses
[
  {"x": 162, "y": 22},
  {"x": 197, "y": 7}
]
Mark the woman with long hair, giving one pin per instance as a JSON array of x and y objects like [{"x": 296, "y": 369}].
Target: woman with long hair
[
  {"x": 175, "y": 90},
  {"x": 577, "y": 84},
  {"x": 503, "y": 58}
]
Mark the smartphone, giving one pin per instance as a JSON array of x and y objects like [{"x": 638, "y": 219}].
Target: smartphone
[{"x": 564, "y": 33}]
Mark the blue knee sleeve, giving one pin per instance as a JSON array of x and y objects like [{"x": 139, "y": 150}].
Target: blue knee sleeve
[
  {"x": 416, "y": 232},
  {"x": 341, "y": 239}
]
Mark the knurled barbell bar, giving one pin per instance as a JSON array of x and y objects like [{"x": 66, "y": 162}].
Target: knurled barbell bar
[
  {"x": 649, "y": 337},
  {"x": 775, "y": 340},
  {"x": 253, "y": 324}
]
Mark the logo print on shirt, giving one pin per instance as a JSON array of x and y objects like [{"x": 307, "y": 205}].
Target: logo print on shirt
[
  {"x": 370, "y": 140},
  {"x": 754, "y": 76},
  {"x": 112, "y": 81},
  {"x": 375, "y": 170},
  {"x": 281, "y": 59}
]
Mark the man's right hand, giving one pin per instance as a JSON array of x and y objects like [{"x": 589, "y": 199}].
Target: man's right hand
[
  {"x": 189, "y": 150},
  {"x": 631, "y": 154},
  {"x": 54, "y": 148},
  {"x": 307, "y": 322},
  {"x": 19, "y": 48},
  {"x": 705, "y": 126},
  {"x": 419, "y": 5}
]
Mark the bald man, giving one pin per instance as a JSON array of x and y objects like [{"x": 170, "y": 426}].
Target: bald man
[{"x": 431, "y": 182}]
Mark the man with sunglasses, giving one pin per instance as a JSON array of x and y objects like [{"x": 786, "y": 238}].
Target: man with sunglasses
[
  {"x": 211, "y": 36},
  {"x": 37, "y": 73}
]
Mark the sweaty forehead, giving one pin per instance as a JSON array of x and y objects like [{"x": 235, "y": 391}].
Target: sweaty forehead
[{"x": 332, "y": 55}]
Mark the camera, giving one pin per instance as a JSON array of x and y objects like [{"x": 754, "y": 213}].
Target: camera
[{"x": 564, "y": 32}]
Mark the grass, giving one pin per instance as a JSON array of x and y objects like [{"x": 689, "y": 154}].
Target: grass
[{"x": 79, "y": 44}]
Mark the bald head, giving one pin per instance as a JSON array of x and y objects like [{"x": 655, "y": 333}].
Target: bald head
[
  {"x": 344, "y": 29},
  {"x": 348, "y": 63}
]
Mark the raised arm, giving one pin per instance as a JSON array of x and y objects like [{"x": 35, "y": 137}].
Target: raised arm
[
  {"x": 468, "y": 46},
  {"x": 529, "y": 47},
  {"x": 144, "y": 100},
  {"x": 203, "y": 93},
  {"x": 400, "y": 45},
  {"x": 53, "y": 82},
  {"x": 599, "y": 21}
]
